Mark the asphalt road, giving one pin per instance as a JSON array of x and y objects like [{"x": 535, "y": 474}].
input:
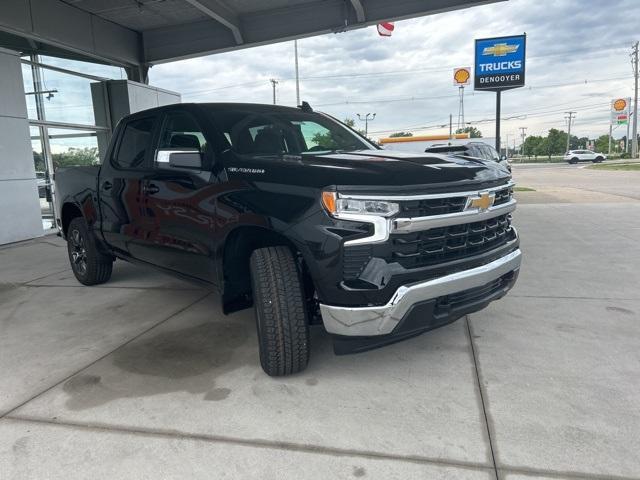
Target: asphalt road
[{"x": 577, "y": 183}]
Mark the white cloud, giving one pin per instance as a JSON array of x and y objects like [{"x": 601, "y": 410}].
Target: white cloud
[{"x": 568, "y": 41}]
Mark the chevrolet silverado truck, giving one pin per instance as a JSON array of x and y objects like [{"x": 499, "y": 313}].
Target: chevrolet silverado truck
[{"x": 295, "y": 213}]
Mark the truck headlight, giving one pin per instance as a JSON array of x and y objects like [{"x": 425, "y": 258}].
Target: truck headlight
[{"x": 336, "y": 206}]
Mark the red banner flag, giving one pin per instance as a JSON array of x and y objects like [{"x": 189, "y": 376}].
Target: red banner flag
[{"x": 385, "y": 29}]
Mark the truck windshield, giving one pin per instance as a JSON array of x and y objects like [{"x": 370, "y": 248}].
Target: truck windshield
[{"x": 280, "y": 132}]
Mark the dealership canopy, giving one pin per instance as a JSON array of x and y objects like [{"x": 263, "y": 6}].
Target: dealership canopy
[{"x": 143, "y": 32}]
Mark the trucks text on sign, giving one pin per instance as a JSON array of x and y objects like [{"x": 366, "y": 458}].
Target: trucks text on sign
[{"x": 500, "y": 63}]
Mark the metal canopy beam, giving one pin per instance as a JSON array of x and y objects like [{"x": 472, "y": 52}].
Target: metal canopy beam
[
  {"x": 162, "y": 31},
  {"x": 64, "y": 27},
  {"x": 300, "y": 20},
  {"x": 220, "y": 13},
  {"x": 357, "y": 6}
]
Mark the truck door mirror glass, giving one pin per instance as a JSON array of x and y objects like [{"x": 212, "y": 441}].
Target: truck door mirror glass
[{"x": 183, "y": 158}]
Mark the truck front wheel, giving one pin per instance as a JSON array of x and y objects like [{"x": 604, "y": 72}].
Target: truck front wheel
[
  {"x": 281, "y": 313},
  {"x": 89, "y": 265}
]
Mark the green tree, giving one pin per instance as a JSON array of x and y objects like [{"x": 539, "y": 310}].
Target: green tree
[
  {"x": 38, "y": 161},
  {"x": 542, "y": 148},
  {"x": 531, "y": 145},
  {"x": 602, "y": 143},
  {"x": 556, "y": 142},
  {"x": 350, "y": 122},
  {"x": 76, "y": 157},
  {"x": 401, "y": 134},
  {"x": 581, "y": 144},
  {"x": 325, "y": 140},
  {"x": 472, "y": 131}
]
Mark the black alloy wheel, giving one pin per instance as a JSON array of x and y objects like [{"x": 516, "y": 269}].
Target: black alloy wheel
[
  {"x": 78, "y": 252},
  {"x": 89, "y": 265}
]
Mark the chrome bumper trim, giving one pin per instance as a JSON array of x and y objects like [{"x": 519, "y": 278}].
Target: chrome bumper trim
[
  {"x": 418, "y": 224},
  {"x": 381, "y": 320}
]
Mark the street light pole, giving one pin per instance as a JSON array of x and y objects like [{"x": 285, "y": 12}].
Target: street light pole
[
  {"x": 274, "y": 82},
  {"x": 366, "y": 122},
  {"x": 295, "y": 48}
]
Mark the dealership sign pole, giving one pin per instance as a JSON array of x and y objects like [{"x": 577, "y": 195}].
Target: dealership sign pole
[{"x": 499, "y": 65}]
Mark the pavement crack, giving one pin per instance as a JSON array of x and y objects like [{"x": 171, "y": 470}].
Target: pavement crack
[
  {"x": 255, "y": 443},
  {"x": 482, "y": 396}
]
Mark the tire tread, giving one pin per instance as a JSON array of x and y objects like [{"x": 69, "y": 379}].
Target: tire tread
[{"x": 281, "y": 316}]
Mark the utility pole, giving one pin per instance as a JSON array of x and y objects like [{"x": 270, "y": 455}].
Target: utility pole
[
  {"x": 461, "y": 107},
  {"x": 610, "y": 135},
  {"x": 295, "y": 49},
  {"x": 570, "y": 119},
  {"x": 366, "y": 122},
  {"x": 523, "y": 135},
  {"x": 634, "y": 64},
  {"x": 274, "y": 82}
]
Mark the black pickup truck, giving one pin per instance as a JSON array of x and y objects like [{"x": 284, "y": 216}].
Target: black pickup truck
[{"x": 293, "y": 212}]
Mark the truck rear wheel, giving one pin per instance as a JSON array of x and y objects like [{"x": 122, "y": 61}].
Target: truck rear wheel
[
  {"x": 281, "y": 313},
  {"x": 89, "y": 265}
]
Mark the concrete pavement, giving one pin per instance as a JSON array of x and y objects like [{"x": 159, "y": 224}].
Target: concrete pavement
[{"x": 145, "y": 378}]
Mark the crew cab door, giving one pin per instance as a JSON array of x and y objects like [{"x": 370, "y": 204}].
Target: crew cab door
[
  {"x": 179, "y": 197},
  {"x": 120, "y": 185}
]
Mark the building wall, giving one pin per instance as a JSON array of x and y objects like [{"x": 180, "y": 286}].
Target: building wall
[{"x": 19, "y": 203}]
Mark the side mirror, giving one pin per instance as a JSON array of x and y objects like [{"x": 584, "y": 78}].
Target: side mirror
[
  {"x": 503, "y": 158},
  {"x": 190, "y": 158}
]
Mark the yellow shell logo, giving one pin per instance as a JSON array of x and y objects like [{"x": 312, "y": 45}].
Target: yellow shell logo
[
  {"x": 461, "y": 75},
  {"x": 619, "y": 104}
]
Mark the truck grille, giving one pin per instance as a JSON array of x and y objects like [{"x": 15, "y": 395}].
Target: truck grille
[
  {"x": 433, "y": 206},
  {"x": 444, "y": 244},
  {"x": 442, "y": 206}
]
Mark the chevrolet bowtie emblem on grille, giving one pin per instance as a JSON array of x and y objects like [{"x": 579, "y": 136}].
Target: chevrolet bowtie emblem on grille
[
  {"x": 500, "y": 49},
  {"x": 482, "y": 202}
]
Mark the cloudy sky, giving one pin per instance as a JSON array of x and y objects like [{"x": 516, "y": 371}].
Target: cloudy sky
[{"x": 577, "y": 59}]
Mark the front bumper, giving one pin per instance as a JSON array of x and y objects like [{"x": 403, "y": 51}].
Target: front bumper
[{"x": 404, "y": 304}]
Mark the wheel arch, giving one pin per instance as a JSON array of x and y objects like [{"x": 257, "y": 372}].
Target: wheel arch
[
  {"x": 235, "y": 272},
  {"x": 68, "y": 212}
]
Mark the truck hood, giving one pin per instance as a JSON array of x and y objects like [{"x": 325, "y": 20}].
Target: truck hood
[{"x": 368, "y": 170}]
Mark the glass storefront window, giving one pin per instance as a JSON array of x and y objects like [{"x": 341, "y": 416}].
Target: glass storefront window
[
  {"x": 73, "y": 147},
  {"x": 43, "y": 178},
  {"x": 69, "y": 98}
]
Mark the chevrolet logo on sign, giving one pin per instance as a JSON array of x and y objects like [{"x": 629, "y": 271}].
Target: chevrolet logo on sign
[
  {"x": 500, "y": 62},
  {"x": 500, "y": 50},
  {"x": 482, "y": 202}
]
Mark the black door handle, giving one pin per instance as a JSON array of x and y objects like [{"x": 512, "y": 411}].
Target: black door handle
[
  {"x": 151, "y": 189},
  {"x": 107, "y": 185}
]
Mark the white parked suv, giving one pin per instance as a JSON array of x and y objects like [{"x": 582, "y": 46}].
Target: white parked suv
[{"x": 575, "y": 156}]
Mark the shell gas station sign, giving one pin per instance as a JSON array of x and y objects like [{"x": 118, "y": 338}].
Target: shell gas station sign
[
  {"x": 620, "y": 111},
  {"x": 461, "y": 76}
]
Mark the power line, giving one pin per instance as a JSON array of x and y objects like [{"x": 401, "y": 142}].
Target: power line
[
  {"x": 390, "y": 72},
  {"x": 411, "y": 99}
]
